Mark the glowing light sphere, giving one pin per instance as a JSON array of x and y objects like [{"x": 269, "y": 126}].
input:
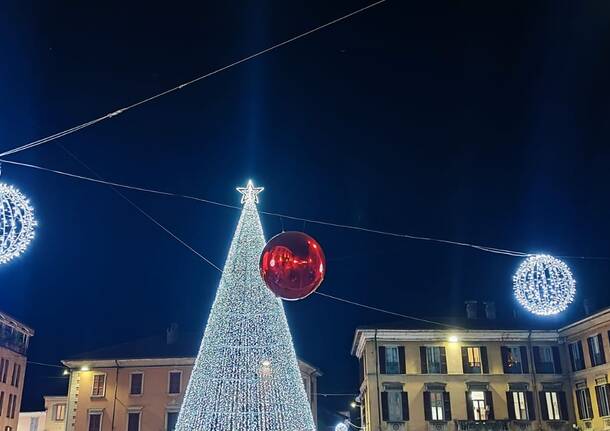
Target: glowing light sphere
[
  {"x": 341, "y": 427},
  {"x": 544, "y": 285},
  {"x": 293, "y": 265},
  {"x": 17, "y": 222}
]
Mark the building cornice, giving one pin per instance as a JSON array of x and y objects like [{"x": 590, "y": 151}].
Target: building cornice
[
  {"x": 402, "y": 335},
  {"x": 128, "y": 363},
  {"x": 11, "y": 321},
  {"x": 599, "y": 318}
]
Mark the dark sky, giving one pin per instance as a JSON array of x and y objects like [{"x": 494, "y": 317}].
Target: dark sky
[{"x": 485, "y": 122}]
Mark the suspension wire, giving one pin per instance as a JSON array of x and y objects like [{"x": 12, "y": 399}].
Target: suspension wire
[
  {"x": 42, "y": 364},
  {"x": 275, "y": 214},
  {"x": 185, "y": 84},
  {"x": 381, "y": 310},
  {"x": 144, "y": 213}
]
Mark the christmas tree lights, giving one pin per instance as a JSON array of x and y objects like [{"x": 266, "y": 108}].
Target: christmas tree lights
[
  {"x": 246, "y": 376},
  {"x": 17, "y": 223},
  {"x": 544, "y": 285}
]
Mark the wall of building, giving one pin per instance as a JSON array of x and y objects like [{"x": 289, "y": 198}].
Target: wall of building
[
  {"x": 414, "y": 382},
  {"x": 31, "y": 421},
  {"x": 52, "y": 421},
  {"x": 7, "y": 388}
]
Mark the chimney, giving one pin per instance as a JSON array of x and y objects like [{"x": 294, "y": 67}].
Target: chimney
[
  {"x": 490, "y": 310},
  {"x": 471, "y": 310},
  {"x": 172, "y": 333}
]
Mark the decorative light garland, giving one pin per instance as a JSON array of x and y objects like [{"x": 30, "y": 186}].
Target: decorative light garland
[
  {"x": 17, "y": 222},
  {"x": 544, "y": 285},
  {"x": 246, "y": 376}
]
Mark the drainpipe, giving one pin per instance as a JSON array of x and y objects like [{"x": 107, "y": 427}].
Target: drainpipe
[
  {"x": 377, "y": 379},
  {"x": 116, "y": 388},
  {"x": 536, "y": 393}
]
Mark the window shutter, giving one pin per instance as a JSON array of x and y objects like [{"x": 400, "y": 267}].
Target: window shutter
[
  {"x": 531, "y": 406},
  {"x": 543, "y": 409},
  {"x": 599, "y": 396},
  {"x": 572, "y": 359},
  {"x": 405, "y": 406},
  {"x": 525, "y": 363},
  {"x": 510, "y": 404},
  {"x": 469, "y": 409},
  {"x": 382, "y": 359},
  {"x": 589, "y": 405},
  {"x": 423, "y": 359},
  {"x": 402, "y": 360},
  {"x": 556, "y": 360},
  {"x": 443, "y": 360},
  {"x": 601, "y": 348},
  {"x": 427, "y": 406},
  {"x": 590, "y": 345},
  {"x": 504, "y": 351},
  {"x": 465, "y": 367},
  {"x": 581, "y": 414},
  {"x": 484, "y": 362},
  {"x": 385, "y": 413},
  {"x": 490, "y": 403},
  {"x": 536, "y": 355},
  {"x": 582, "y": 354},
  {"x": 563, "y": 405},
  {"x": 447, "y": 405}
]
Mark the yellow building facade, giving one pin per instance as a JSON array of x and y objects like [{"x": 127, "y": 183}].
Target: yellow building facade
[
  {"x": 14, "y": 342},
  {"x": 510, "y": 380}
]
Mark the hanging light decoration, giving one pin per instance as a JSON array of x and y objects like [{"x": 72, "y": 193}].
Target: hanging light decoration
[
  {"x": 17, "y": 222},
  {"x": 544, "y": 285}
]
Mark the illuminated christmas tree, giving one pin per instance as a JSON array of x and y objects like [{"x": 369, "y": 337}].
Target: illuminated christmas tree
[{"x": 246, "y": 376}]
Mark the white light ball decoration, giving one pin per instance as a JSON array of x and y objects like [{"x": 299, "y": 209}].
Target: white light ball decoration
[
  {"x": 17, "y": 222},
  {"x": 544, "y": 285},
  {"x": 341, "y": 427}
]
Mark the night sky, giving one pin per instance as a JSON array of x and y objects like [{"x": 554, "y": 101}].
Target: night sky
[{"x": 484, "y": 122}]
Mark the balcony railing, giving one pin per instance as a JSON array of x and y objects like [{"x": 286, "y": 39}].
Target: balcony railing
[
  {"x": 491, "y": 425},
  {"x": 16, "y": 344}
]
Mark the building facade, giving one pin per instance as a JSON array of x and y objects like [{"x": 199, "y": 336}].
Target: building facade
[
  {"x": 455, "y": 380},
  {"x": 442, "y": 380},
  {"x": 138, "y": 387},
  {"x": 14, "y": 341}
]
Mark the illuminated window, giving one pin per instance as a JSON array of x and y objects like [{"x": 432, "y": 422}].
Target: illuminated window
[
  {"x": 437, "y": 404},
  {"x": 59, "y": 412},
  {"x": 479, "y": 407},
  {"x": 98, "y": 388},
  {"x": 520, "y": 405},
  {"x": 552, "y": 406}
]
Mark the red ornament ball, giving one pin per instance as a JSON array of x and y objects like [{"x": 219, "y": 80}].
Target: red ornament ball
[{"x": 293, "y": 265}]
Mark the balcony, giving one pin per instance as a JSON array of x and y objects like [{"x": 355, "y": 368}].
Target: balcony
[
  {"x": 15, "y": 341},
  {"x": 491, "y": 425}
]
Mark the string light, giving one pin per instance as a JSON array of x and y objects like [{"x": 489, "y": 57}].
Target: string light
[
  {"x": 544, "y": 285},
  {"x": 246, "y": 376},
  {"x": 17, "y": 222}
]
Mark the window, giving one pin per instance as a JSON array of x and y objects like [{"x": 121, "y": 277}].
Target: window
[
  {"x": 95, "y": 421},
  {"x": 133, "y": 421},
  {"x": 392, "y": 360},
  {"x": 34, "y": 424},
  {"x": 175, "y": 378},
  {"x": 576, "y": 356},
  {"x": 135, "y": 385},
  {"x": 171, "y": 419},
  {"x": 603, "y": 398},
  {"x": 596, "y": 350},
  {"x": 479, "y": 407},
  {"x": 437, "y": 406},
  {"x": 583, "y": 398},
  {"x": 59, "y": 412},
  {"x": 1, "y": 401},
  {"x": 434, "y": 360},
  {"x": 474, "y": 360},
  {"x": 99, "y": 385},
  {"x": 16, "y": 376},
  {"x": 520, "y": 405},
  {"x": 552, "y": 406},
  {"x": 3, "y": 369},
  {"x": 394, "y": 405},
  {"x": 10, "y": 410},
  {"x": 514, "y": 360},
  {"x": 547, "y": 359}
]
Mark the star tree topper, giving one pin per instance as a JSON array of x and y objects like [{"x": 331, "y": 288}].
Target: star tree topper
[{"x": 249, "y": 193}]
